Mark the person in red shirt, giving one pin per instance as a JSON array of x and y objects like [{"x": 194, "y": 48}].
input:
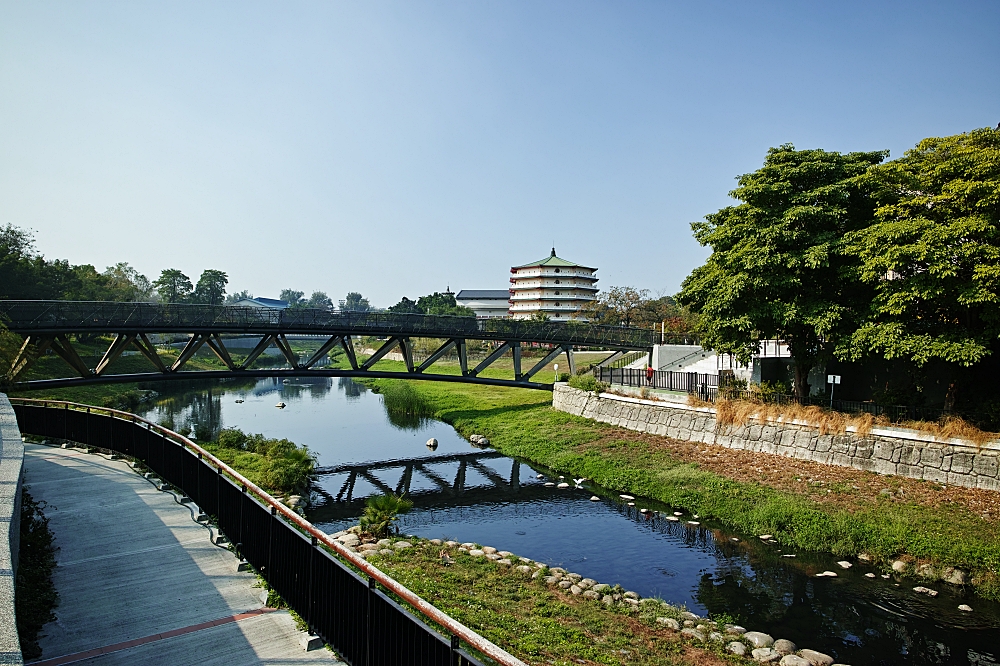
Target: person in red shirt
[{"x": 649, "y": 374}]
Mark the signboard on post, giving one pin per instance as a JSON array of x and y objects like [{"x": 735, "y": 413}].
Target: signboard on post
[{"x": 832, "y": 380}]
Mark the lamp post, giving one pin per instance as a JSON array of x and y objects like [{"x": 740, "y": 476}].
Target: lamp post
[{"x": 555, "y": 368}]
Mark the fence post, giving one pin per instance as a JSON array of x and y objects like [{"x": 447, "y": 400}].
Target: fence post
[
  {"x": 370, "y": 629},
  {"x": 455, "y": 644}
]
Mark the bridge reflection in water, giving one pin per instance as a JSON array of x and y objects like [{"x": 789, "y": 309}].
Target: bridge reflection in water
[{"x": 449, "y": 480}]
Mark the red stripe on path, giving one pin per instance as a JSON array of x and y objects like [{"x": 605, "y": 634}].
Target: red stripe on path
[{"x": 124, "y": 645}]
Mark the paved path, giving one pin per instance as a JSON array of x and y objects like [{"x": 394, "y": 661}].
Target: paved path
[{"x": 140, "y": 582}]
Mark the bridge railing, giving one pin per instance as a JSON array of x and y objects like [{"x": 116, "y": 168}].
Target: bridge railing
[
  {"x": 363, "y": 624},
  {"x": 113, "y": 317}
]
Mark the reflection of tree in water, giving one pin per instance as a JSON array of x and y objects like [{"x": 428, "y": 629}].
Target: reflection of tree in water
[
  {"x": 299, "y": 387},
  {"x": 206, "y": 416},
  {"x": 351, "y": 388}
]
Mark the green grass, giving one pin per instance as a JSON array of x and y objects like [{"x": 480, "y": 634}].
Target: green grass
[
  {"x": 536, "y": 623},
  {"x": 276, "y": 465},
  {"x": 522, "y": 423}
]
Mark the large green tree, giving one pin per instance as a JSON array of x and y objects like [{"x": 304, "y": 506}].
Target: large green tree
[
  {"x": 211, "y": 287},
  {"x": 779, "y": 267},
  {"x": 932, "y": 256},
  {"x": 173, "y": 286}
]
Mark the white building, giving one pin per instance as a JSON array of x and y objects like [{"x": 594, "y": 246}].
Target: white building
[
  {"x": 552, "y": 286},
  {"x": 486, "y": 303}
]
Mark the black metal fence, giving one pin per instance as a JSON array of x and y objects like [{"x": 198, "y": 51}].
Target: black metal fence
[
  {"x": 711, "y": 387},
  {"x": 363, "y": 624},
  {"x": 689, "y": 382},
  {"x": 52, "y": 317}
]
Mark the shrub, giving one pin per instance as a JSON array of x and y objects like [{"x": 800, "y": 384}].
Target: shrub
[{"x": 381, "y": 512}]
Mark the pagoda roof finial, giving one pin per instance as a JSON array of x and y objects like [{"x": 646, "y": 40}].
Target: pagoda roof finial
[{"x": 553, "y": 252}]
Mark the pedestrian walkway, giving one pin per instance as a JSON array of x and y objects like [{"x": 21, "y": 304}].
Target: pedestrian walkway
[{"x": 140, "y": 582}]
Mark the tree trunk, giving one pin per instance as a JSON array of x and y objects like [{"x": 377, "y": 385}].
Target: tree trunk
[{"x": 802, "y": 379}]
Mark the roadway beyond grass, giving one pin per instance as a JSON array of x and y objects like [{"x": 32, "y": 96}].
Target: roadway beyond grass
[{"x": 847, "y": 514}]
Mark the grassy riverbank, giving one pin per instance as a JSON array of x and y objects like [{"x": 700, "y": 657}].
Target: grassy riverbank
[{"x": 806, "y": 505}]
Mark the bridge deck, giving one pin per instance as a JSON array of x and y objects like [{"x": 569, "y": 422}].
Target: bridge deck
[{"x": 138, "y": 578}]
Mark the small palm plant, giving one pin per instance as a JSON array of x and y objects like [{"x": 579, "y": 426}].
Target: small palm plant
[{"x": 381, "y": 512}]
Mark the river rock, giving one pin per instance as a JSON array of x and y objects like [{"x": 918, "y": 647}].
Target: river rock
[
  {"x": 368, "y": 554},
  {"x": 735, "y": 629},
  {"x": 793, "y": 660},
  {"x": 673, "y": 519},
  {"x": 492, "y": 556},
  {"x": 504, "y": 561},
  {"x": 595, "y": 498},
  {"x": 368, "y": 546},
  {"x": 693, "y": 633},
  {"x": 349, "y": 539},
  {"x": 607, "y": 600},
  {"x": 737, "y": 648},
  {"x": 589, "y": 582},
  {"x": 574, "y": 576},
  {"x": 920, "y": 589},
  {"x": 688, "y": 623},
  {"x": 489, "y": 550},
  {"x": 468, "y": 545},
  {"x": 953, "y": 576},
  {"x": 475, "y": 552},
  {"x": 716, "y": 637},
  {"x": 435, "y": 542},
  {"x": 765, "y": 655},
  {"x": 844, "y": 564},
  {"x": 451, "y": 544},
  {"x": 549, "y": 484},
  {"x": 562, "y": 485},
  {"x": 669, "y": 623},
  {"x": 783, "y": 646},
  {"x": 575, "y": 589},
  {"x": 400, "y": 545},
  {"x": 565, "y": 584},
  {"x": 626, "y": 497},
  {"x": 552, "y": 580},
  {"x": 590, "y": 594},
  {"x": 505, "y": 553},
  {"x": 524, "y": 569},
  {"x": 558, "y": 570},
  {"x": 432, "y": 443},
  {"x": 386, "y": 551},
  {"x": 865, "y": 557},
  {"x": 688, "y": 615},
  {"x": 631, "y": 602},
  {"x": 869, "y": 575},
  {"x": 816, "y": 658},
  {"x": 899, "y": 566},
  {"x": 966, "y": 608},
  {"x": 758, "y": 639},
  {"x": 631, "y": 595}
]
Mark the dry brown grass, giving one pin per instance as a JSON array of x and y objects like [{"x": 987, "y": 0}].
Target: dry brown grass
[{"x": 741, "y": 412}]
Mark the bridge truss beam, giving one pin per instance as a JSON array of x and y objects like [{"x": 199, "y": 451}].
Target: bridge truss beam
[{"x": 35, "y": 346}]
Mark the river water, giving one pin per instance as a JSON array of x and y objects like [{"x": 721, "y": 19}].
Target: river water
[{"x": 466, "y": 493}]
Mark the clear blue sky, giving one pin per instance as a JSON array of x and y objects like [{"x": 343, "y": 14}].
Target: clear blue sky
[{"x": 398, "y": 147}]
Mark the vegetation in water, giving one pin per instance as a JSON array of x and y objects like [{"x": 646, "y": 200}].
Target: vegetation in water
[
  {"x": 381, "y": 513},
  {"x": 276, "y": 465},
  {"x": 35, "y": 596},
  {"x": 399, "y": 397}
]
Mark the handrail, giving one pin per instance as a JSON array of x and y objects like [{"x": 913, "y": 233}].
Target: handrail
[{"x": 458, "y": 629}]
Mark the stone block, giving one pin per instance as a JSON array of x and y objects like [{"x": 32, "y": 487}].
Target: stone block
[
  {"x": 961, "y": 462},
  {"x": 931, "y": 457},
  {"x": 935, "y": 474},
  {"x": 824, "y": 443},
  {"x": 985, "y": 464},
  {"x": 310, "y": 642}
]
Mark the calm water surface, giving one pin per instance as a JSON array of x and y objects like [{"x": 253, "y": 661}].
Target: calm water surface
[{"x": 470, "y": 494}]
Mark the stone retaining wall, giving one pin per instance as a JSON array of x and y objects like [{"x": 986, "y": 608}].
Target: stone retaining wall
[
  {"x": 885, "y": 450},
  {"x": 11, "y": 462}
]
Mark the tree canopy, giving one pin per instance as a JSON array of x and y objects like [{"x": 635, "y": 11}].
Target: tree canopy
[
  {"x": 433, "y": 304},
  {"x": 211, "y": 287},
  {"x": 779, "y": 266},
  {"x": 932, "y": 254},
  {"x": 173, "y": 286},
  {"x": 355, "y": 302}
]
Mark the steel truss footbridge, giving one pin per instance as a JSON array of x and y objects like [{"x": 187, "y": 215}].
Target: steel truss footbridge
[{"x": 50, "y": 325}]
